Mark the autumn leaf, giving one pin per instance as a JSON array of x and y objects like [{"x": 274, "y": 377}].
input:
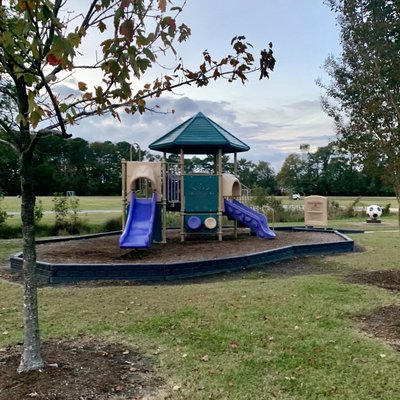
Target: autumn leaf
[
  {"x": 216, "y": 74},
  {"x": 24, "y": 5},
  {"x": 162, "y": 5},
  {"x": 102, "y": 26},
  {"x": 82, "y": 86},
  {"x": 53, "y": 60},
  {"x": 126, "y": 29},
  {"x": 35, "y": 118},
  {"x": 168, "y": 21},
  {"x": 87, "y": 96}
]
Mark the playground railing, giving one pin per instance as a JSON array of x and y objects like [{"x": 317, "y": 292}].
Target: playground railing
[
  {"x": 245, "y": 195},
  {"x": 173, "y": 183}
]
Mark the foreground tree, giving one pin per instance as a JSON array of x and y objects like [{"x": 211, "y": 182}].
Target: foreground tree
[
  {"x": 40, "y": 43},
  {"x": 364, "y": 94}
]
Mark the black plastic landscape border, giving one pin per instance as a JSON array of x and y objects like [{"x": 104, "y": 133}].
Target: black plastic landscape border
[{"x": 152, "y": 272}]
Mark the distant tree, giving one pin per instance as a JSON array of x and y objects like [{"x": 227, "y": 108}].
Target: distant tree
[
  {"x": 290, "y": 176},
  {"x": 265, "y": 177},
  {"x": 41, "y": 45},
  {"x": 106, "y": 168},
  {"x": 245, "y": 171},
  {"x": 363, "y": 96},
  {"x": 124, "y": 151},
  {"x": 207, "y": 164},
  {"x": 329, "y": 170}
]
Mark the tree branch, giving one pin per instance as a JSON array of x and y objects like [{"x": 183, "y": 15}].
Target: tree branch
[{"x": 12, "y": 146}]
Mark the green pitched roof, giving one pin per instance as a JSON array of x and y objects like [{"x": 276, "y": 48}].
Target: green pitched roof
[{"x": 199, "y": 135}]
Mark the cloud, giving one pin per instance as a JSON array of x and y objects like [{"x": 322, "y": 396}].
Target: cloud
[{"x": 272, "y": 133}]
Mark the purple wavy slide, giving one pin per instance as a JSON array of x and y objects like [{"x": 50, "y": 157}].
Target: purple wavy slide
[
  {"x": 138, "y": 232},
  {"x": 256, "y": 221}
]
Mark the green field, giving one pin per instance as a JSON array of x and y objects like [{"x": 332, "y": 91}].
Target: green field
[
  {"x": 347, "y": 201},
  {"x": 259, "y": 335},
  {"x": 96, "y": 210},
  {"x": 13, "y": 204}
]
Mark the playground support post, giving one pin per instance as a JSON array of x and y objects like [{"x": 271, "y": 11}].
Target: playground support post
[
  {"x": 219, "y": 194},
  {"x": 182, "y": 169},
  {"x": 164, "y": 198},
  {"x": 124, "y": 185},
  {"x": 235, "y": 223}
]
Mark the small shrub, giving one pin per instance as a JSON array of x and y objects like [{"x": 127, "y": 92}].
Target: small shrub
[
  {"x": 60, "y": 208},
  {"x": 353, "y": 210},
  {"x": 274, "y": 209},
  {"x": 275, "y": 204},
  {"x": 386, "y": 210},
  {"x": 173, "y": 219},
  {"x": 111, "y": 225},
  {"x": 10, "y": 232},
  {"x": 42, "y": 230},
  {"x": 75, "y": 223},
  {"x": 334, "y": 210},
  {"x": 3, "y": 213},
  {"x": 38, "y": 211},
  {"x": 259, "y": 196},
  {"x": 66, "y": 211}
]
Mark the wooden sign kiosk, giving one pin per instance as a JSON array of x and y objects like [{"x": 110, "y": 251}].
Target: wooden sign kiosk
[{"x": 316, "y": 211}]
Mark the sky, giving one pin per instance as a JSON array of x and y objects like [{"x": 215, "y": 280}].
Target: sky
[{"x": 272, "y": 116}]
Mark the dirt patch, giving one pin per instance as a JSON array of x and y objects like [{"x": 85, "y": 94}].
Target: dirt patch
[
  {"x": 384, "y": 322},
  {"x": 388, "y": 279},
  {"x": 85, "y": 370},
  {"x": 106, "y": 249}
]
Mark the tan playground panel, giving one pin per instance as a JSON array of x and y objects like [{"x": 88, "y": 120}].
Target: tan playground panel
[
  {"x": 135, "y": 170},
  {"x": 316, "y": 211}
]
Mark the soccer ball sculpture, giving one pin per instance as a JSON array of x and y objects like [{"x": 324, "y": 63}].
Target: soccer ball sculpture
[{"x": 374, "y": 211}]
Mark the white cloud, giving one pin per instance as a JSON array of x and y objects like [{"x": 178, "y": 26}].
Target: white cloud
[
  {"x": 272, "y": 141},
  {"x": 272, "y": 116}
]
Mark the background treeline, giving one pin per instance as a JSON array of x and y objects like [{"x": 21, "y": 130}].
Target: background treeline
[{"x": 95, "y": 169}]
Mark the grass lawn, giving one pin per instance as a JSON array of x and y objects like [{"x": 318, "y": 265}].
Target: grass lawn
[
  {"x": 348, "y": 200},
  {"x": 92, "y": 218},
  {"x": 109, "y": 207},
  {"x": 13, "y": 204},
  {"x": 260, "y": 335},
  {"x": 94, "y": 211}
]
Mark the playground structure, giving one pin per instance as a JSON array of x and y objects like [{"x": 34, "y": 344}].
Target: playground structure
[{"x": 202, "y": 199}]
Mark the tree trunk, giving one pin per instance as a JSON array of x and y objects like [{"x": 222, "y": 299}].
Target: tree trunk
[{"x": 31, "y": 358}]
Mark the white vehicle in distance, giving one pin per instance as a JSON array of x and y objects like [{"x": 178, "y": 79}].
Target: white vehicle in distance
[{"x": 296, "y": 196}]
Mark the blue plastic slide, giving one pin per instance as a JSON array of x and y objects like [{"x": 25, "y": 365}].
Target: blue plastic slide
[
  {"x": 138, "y": 231},
  {"x": 256, "y": 221}
]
